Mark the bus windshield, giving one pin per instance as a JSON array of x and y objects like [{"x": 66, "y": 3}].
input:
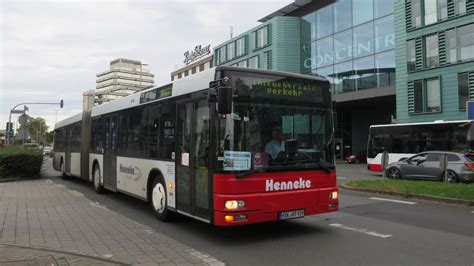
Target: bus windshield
[{"x": 277, "y": 124}]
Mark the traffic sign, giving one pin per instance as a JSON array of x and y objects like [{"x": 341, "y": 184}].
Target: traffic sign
[{"x": 17, "y": 111}]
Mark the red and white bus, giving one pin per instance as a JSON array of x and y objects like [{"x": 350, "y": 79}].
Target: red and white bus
[
  {"x": 258, "y": 146},
  {"x": 406, "y": 140}
]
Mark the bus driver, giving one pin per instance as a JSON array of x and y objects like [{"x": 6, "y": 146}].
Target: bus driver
[{"x": 274, "y": 147}]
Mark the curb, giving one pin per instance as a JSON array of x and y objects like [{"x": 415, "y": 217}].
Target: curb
[
  {"x": 407, "y": 195},
  {"x": 65, "y": 253}
]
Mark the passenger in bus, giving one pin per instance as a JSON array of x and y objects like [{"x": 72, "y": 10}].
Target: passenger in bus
[{"x": 274, "y": 147}]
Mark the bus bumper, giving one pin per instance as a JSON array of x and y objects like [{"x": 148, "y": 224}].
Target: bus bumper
[{"x": 265, "y": 207}]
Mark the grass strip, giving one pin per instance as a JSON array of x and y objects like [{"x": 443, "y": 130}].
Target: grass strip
[{"x": 416, "y": 187}]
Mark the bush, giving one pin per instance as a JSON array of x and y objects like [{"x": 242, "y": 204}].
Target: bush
[{"x": 22, "y": 162}]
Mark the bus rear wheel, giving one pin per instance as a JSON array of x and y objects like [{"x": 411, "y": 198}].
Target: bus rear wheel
[
  {"x": 99, "y": 189},
  {"x": 158, "y": 200}
]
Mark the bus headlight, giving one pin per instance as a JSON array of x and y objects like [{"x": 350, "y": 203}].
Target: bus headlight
[
  {"x": 333, "y": 195},
  {"x": 234, "y": 204}
]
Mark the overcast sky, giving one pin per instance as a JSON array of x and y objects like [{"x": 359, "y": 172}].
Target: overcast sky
[{"x": 51, "y": 50}]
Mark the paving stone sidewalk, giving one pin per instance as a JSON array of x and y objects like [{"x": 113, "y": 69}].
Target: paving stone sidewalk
[{"x": 43, "y": 215}]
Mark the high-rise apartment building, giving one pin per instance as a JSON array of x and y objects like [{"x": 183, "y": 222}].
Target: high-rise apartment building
[{"x": 124, "y": 77}]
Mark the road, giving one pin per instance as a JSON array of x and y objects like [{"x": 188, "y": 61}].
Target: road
[{"x": 368, "y": 230}]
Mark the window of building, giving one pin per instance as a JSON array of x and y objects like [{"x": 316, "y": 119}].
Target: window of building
[
  {"x": 384, "y": 35},
  {"x": 463, "y": 89},
  {"x": 186, "y": 73},
  {"x": 431, "y": 51},
  {"x": 362, "y": 11},
  {"x": 253, "y": 62},
  {"x": 451, "y": 46},
  {"x": 459, "y": 7},
  {"x": 385, "y": 68},
  {"x": 222, "y": 54},
  {"x": 343, "y": 46},
  {"x": 325, "y": 72},
  {"x": 442, "y": 9},
  {"x": 242, "y": 63},
  {"x": 172, "y": 78},
  {"x": 179, "y": 75},
  {"x": 411, "y": 55},
  {"x": 193, "y": 70},
  {"x": 324, "y": 22},
  {"x": 308, "y": 27},
  {"x": 433, "y": 95},
  {"x": 416, "y": 13},
  {"x": 230, "y": 51},
  {"x": 430, "y": 11},
  {"x": 383, "y": 7},
  {"x": 240, "y": 46},
  {"x": 418, "y": 89},
  {"x": 201, "y": 67},
  {"x": 363, "y": 40},
  {"x": 324, "y": 52},
  {"x": 466, "y": 42},
  {"x": 364, "y": 73},
  {"x": 342, "y": 15},
  {"x": 253, "y": 41},
  {"x": 262, "y": 37},
  {"x": 343, "y": 80}
]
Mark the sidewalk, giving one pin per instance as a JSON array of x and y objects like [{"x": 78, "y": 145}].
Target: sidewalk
[{"x": 43, "y": 215}]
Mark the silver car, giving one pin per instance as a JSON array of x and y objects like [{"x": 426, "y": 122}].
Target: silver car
[{"x": 427, "y": 166}]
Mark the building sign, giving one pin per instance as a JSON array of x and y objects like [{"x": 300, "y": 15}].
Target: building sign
[
  {"x": 319, "y": 58},
  {"x": 191, "y": 56}
]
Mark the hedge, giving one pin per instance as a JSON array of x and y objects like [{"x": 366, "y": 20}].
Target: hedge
[{"x": 20, "y": 162}]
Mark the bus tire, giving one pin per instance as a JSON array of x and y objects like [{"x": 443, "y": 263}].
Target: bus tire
[
  {"x": 394, "y": 173},
  {"x": 98, "y": 187},
  {"x": 158, "y": 199}
]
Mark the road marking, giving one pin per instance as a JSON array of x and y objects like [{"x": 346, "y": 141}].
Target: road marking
[
  {"x": 341, "y": 177},
  {"x": 392, "y": 200},
  {"x": 345, "y": 170},
  {"x": 472, "y": 211},
  {"x": 360, "y": 230}
]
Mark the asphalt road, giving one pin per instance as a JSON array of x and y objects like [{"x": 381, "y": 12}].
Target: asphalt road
[{"x": 368, "y": 230}]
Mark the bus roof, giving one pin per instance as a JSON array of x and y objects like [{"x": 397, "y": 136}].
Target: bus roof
[
  {"x": 195, "y": 82},
  {"x": 422, "y": 123},
  {"x": 70, "y": 120}
]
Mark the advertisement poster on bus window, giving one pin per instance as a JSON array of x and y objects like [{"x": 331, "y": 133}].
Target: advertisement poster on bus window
[{"x": 237, "y": 160}]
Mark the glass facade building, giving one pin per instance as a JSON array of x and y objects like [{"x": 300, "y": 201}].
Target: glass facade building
[{"x": 351, "y": 43}]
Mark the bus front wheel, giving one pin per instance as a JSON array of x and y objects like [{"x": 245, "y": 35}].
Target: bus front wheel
[
  {"x": 159, "y": 200},
  {"x": 99, "y": 189}
]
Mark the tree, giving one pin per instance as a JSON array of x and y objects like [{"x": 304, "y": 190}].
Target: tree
[{"x": 37, "y": 128}]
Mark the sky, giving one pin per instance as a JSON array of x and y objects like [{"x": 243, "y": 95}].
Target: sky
[{"x": 52, "y": 50}]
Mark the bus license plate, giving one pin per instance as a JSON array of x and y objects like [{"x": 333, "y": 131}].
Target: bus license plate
[{"x": 291, "y": 214}]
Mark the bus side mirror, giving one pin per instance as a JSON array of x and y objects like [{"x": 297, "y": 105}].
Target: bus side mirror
[{"x": 224, "y": 100}]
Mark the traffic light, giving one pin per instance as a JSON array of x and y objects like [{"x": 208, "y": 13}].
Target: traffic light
[
  {"x": 9, "y": 126},
  {"x": 61, "y": 103}
]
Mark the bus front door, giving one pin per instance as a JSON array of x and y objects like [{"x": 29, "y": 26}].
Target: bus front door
[
  {"x": 110, "y": 153},
  {"x": 192, "y": 173}
]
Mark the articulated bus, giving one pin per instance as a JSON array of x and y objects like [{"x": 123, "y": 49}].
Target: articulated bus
[
  {"x": 228, "y": 146},
  {"x": 406, "y": 140}
]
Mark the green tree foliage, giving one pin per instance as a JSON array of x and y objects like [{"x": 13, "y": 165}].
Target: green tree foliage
[{"x": 37, "y": 126}]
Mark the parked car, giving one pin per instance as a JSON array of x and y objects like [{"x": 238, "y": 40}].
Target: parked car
[
  {"x": 427, "y": 166},
  {"x": 357, "y": 158},
  {"x": 48, "y": 150}
]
